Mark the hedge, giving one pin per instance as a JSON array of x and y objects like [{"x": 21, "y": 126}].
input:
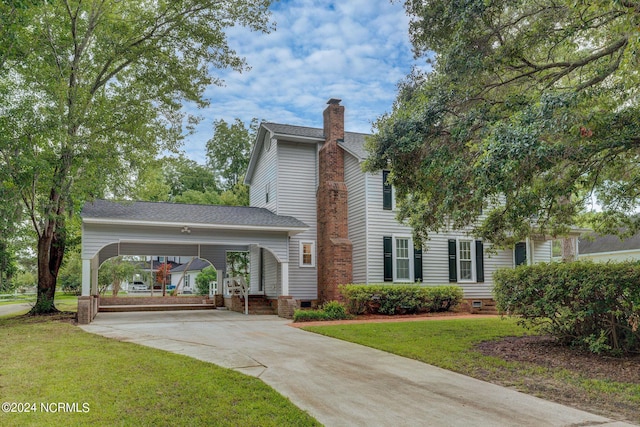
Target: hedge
[
  {"x": 581, "y": 303},
  {"x": 399, "y": 299},
  {"x": 332, "y": 310}
]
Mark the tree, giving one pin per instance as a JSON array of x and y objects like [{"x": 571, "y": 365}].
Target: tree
[
  {"x": 70, "y": 275},
  {"x": 183, "y": 174},
  {"x": 8, "y": 267},
  {"x": 206, "y": 276},
  {"x": 531, "y": 109},
  {"x": 91, "y": 91},
  {"x": 114, "y": 271},
  {"x": 229, "y": 149},
  {"x": 163, "y": 273}
]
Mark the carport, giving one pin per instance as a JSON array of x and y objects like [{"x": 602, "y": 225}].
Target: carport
[{"x": 111, "y": 229}]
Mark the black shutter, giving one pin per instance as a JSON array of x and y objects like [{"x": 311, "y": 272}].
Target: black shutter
[
  {"x": 417, "y": 264},
  {"x": 388, "y": 258},
  {"x": 479, "y": 261},
  {"x": 521, "y": 253},
  {"x": 453, "y": 267},
  {"x": 386, "y": 192}
]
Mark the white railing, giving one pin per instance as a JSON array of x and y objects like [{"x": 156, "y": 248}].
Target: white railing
[{"x": 237, "y": 286}]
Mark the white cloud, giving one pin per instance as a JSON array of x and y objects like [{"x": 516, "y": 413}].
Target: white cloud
[{"x": 355, "y": 50}]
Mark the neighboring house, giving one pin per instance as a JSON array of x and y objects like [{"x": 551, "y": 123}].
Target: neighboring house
[
  {"x": 609, "y": 247},
  {"x": 186, "y": 274},
  {"x": 353, "y": 236}
]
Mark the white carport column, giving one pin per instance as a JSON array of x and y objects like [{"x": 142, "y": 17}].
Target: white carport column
[
  {"x": 94, "y": 276},
  {"x": 86, "y": 277},
  {"x": 284, "y": 267}
]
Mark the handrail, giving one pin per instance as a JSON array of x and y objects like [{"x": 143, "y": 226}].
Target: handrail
[{"x": 237, "y": 285}]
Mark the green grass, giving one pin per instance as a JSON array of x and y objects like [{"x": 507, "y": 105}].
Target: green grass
[
  {"x": 450, "y": 344},
  {"x": 124, "y": 384}
]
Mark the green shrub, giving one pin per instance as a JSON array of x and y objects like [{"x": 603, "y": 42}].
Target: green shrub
[
  {"x": 335, "y": 311},
  {"x": 400, "y": 299},
  {"x": 596, "y": 306},
  {"x": 309, "y": 315},
  {"x": 331, "y": 310},
  {"x": 208, "y": 274}
]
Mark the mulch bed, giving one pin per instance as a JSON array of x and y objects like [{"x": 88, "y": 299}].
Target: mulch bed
[{"x": 545, "y": 351}]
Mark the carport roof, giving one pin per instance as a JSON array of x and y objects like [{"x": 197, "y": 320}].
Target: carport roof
[{"x": 162, "y": 213}]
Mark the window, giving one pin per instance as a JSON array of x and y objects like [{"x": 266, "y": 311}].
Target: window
[
  {"x": 307, "y": 254},
  {"x": 466, "y": 261},
  {"x": 401, "y": 262},
  {"x": 187, "y": 281}
]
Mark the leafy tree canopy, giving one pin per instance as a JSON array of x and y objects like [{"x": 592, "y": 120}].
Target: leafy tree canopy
[
  {"x": 531, "y": 111},
  {"x": 229, "y": 149},
  {"x": 91, "y": 91},
  {"x": 207, "y": 275}
]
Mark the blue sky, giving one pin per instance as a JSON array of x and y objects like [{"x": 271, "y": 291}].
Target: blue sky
[{"x": 355, "y": 50}]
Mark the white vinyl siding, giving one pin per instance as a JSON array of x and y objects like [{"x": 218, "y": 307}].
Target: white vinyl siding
[
  {"x": 380, "y": 223},
  {"x": 541, "y": 251},
  {"x": 357, "y": 216},
  {"x": 265, "y": 176},
  {"x": 296, "y": 196}
]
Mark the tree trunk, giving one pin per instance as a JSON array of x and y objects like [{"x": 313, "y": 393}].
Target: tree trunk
[
  {"x": 51, "y": 245},
  {"x": 568, "y": 249}
]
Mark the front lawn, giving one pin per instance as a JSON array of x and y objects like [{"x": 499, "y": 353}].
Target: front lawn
[
  {"x": 451, "y": 344},
  {"x": 48, "y": 361}
]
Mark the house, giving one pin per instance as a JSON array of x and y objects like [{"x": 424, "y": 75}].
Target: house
[
  {"x": 608, "y": 247},
  {"x": 183, "y": 277},
  {"x": 315, "y": 221},
  {"x": 315, "y": 175}
]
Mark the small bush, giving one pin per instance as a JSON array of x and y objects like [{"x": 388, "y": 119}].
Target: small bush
[
  {"x": 331, "y": 310},
  {"x": 309, "y": 315},
  {"x": 596, "y": 306},
  {"x": 400, "y": 299}
]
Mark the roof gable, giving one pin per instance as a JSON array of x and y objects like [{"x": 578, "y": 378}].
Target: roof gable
[{"x": 353, "y": 142}]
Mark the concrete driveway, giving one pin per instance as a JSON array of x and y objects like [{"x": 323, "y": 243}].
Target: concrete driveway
[{"x": 339, "y": 383}]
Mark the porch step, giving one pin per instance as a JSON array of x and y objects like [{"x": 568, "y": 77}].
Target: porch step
[
  {"x": 259, "y": 304},
  {"x": 154, "y": 307}
]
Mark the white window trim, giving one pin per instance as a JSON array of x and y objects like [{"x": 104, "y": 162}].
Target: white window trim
[
  {"x": 473, "y": 261},
  {"x": 301, "y": 253},
  {"x": 394, "y": 237}
]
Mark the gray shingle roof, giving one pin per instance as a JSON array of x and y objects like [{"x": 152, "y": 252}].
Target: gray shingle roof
[
  {"x": 196, "y": 265},
  {"x": 607, "y": 243},
  {"x": 190, "y": 214},
  {"x": 292, "y": 130}
]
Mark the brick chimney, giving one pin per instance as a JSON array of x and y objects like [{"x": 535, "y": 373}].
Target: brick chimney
[{"x": 334, "y": 247}]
